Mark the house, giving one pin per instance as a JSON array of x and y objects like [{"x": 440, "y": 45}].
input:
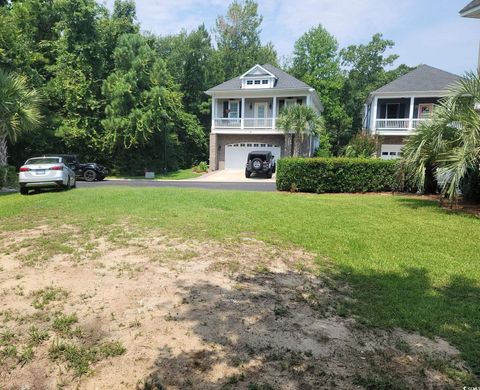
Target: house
[
  {"x": 472, "y": 10},
  {"x": 245, "y": 111},
  {"x": 394, "y": 111}
]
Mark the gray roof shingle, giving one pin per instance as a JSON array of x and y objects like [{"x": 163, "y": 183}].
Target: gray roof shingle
[
  {"x": 284, "y": 81},
  {"x": 469, "y": 6},
  {"x": 424, "y": 78}
]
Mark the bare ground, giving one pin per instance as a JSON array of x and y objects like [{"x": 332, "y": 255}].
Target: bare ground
[{"x": 163, "y": 312}]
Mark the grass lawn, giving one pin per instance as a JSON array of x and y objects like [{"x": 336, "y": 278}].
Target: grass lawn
[
  {"x": 181, "y": 174},
  {"x": 409, "y": 263}
]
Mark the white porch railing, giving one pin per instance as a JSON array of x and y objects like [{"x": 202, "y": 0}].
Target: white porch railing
[
  {"x": 393, "y": 124},
  {"x": 228, "y": 122},
  {"x": 266, "y": 123},
  {"x": 246, "y": 123},
  {"x": 398, "y": 124}
]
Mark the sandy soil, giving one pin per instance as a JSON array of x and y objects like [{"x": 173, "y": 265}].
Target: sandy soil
[{"x": 200, "y": 315}]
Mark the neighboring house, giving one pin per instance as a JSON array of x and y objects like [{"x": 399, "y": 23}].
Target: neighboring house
[
  {"x": 245, "y": 111},
  {"x": 394, "y": 111},
  {"x": 472, "y": 10}
]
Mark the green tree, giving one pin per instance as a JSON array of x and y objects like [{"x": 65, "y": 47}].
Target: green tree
[
  {"x": 361, "y": 145},
  {"x": 19, "y": 110},
  {"x": 237, "y": 35},
  {"x": 297, "y": 122},
  {"x": 449, "y": 143},
  {"x": 144, "y": 110},
  {"x": 365, "y": 69},
  {"x": 316, "y": 61}
]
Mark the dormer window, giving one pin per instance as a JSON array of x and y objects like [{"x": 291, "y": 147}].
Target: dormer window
[{"x": 258, "y": 77}]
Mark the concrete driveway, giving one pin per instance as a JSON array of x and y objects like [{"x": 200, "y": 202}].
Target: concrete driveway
[{"x": 233, "y": 176}]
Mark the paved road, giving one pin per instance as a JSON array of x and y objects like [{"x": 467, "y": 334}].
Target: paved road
[{"x": 250, "y": 186}]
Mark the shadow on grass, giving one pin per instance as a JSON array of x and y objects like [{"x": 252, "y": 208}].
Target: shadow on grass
[
  {"x": 280, "y": 331},
  {"x": 416, "y": 204},
  {"x": 411, "y": 302},
  {"x": 5, "y": 193}
]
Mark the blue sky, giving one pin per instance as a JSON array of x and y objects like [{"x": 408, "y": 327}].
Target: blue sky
[{"x": 425, "y": 31}]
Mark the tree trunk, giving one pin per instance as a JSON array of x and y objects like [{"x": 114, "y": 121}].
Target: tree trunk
[
  {"x": 297, "y": 145},
  {"x": 3, "y": 160}
]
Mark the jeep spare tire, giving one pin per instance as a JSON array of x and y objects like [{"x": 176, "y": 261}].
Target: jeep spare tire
[{"x": 257, "y": 164}]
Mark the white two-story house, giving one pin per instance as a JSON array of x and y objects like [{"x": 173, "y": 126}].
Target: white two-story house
[
  {"x": 394, "y": 111},
  {"x": 245, "y": 111}
]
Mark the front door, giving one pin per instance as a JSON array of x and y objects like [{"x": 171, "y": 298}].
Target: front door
[
  {"x": 261, "y": 114},
  {"x": 425, "y": 110}
]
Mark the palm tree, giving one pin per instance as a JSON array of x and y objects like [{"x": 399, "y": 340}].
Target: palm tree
[
  {"x": 19, "y": 110},
  {"x": 449, "y": 143},
  {"x": 298, "y": 121}
]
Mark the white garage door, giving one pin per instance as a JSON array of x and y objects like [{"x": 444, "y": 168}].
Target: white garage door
[
  {"x": 236, "y": 154},
  {"x": 391, "y": 152}
]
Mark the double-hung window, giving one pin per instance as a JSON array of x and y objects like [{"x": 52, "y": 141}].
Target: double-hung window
[{"x": 234, "y": 109}]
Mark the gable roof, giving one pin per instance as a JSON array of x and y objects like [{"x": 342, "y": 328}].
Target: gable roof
[
  {"x": 424, "y": 78},
  {"x": 284, "y": 81},
  {"x": 470, "y": 6},
  {"x": 257, "y": 71}
]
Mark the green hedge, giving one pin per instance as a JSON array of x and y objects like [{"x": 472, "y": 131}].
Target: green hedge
[
  {"x": 336, "y": 175},
  {"x": 11, "y": 177}
]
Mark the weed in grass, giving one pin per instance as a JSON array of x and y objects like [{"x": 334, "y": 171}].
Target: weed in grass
[
  {"x": 36, "y": 336},
  {"x": 49, "y": 294},
  {"x": 403, "y": 346},
  {"x": 9, "y": 351},
  {"x": 63, "y": 323},
  {"x": 6, "y": 337},
  {"x": 44, "y": 248},
  {"x": 26, "y": 355},
  {"x": 80, "y": 358},
  {"x": 262, "y": 269}
]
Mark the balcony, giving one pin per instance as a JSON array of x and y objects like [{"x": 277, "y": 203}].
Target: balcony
[
  {"x": 397, "y": 126},
  {"x": 245, "y": 126}
]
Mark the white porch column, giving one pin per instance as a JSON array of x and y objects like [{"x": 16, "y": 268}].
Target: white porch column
[
  {"x": 274, "y": 113},
  {"x": 410, "y": 114},
  {"x": 373, "y": 119},
  {"x": 242, "y": 119},
  {"x": 214, "y": 102}
]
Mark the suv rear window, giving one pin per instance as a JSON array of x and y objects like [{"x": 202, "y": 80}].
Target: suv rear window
[{"x": 43, "y": 160}]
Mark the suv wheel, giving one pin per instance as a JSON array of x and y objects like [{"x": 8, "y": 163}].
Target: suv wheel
[
  {"x": 89, "y": 175},
  {"x": 24, "y": 190},
  {"x": 257, "y": 164},
  {"x": 247, "y": 173},
  {"x": 269, "y": 174}
]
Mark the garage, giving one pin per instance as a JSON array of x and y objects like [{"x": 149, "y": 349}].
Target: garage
[
  {"x": 391, "y": 152},
  {"x": 236, "y": 154}
]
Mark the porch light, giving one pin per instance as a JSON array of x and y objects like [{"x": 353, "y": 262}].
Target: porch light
[{"x": 251, "y": 105}]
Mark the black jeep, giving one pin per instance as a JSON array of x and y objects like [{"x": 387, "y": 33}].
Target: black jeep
[
  {"x": 260, "y": 163},
  {"x": 85, "y": 171}
]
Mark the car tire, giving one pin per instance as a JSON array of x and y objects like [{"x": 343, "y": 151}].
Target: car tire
[
  {"x": 253, "y": 164},
  {"x": 90, "y": 175},
  {"x": 100, "y": 178},
  {"x": 68, "y": 185},
  {"x": 269, "y": 174},
  {"x": 274, "y": 168},
  {"x": 74, "y": 185},
  {"x": 24, "y": 190},
  {"x": 247, "y": 174}
]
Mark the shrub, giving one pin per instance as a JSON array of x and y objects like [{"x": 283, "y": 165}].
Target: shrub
[
  {"x": 201, "y": 167},
  {"x": 361, "y": 145},
  {"x": 336, "y": 175},
  {"x": 8, "y": 177}
]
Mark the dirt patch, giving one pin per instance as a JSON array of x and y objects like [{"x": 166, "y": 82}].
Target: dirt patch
[{"x": 162, "y": 312}]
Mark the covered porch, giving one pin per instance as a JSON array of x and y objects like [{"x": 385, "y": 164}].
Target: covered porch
[
  {"x": 250, "y": 113},
  {"x": 400, "y": 115}
]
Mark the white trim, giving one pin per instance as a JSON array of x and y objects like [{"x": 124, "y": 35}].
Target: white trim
[
  {"x": 373, "y": 118},
  {"x": 410, "y": 113},
  {"x": 242, "y": 113},
  {"x": 471, "y": 13},
  {"x": 247, "y": 131},
  {"x": 274, "y": 112},
  {"x": 214, "y": 114},
  {"x": 257, "y": 66}
]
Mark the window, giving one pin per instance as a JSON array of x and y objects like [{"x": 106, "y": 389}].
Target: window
[
  {"x": 234, "y": 109},
  {"x": 384, "y": 153},
  {"x": 249, "y": 82},
  {"x": 257, "y": 82},
  {"x": 249, "y": 145},
  {"x": 290, "y": 102},
  {"x": 264, "y": 82}
]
